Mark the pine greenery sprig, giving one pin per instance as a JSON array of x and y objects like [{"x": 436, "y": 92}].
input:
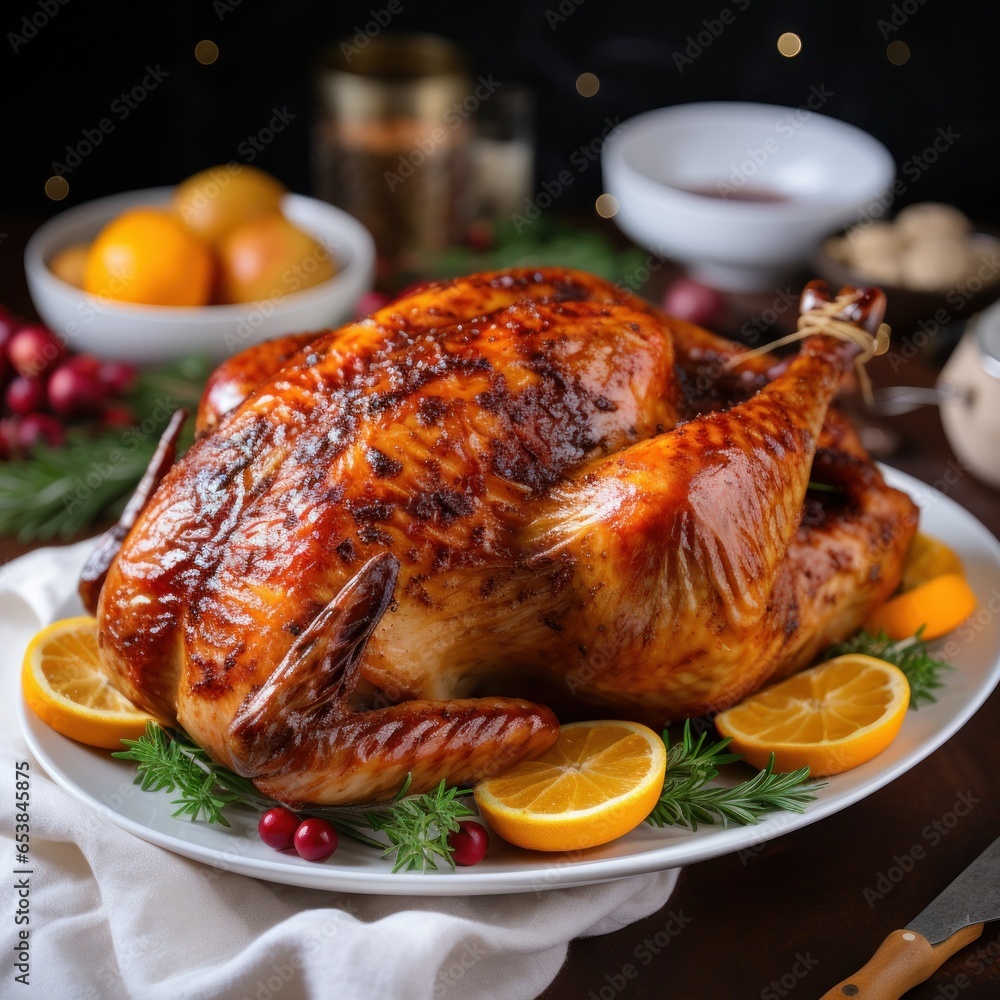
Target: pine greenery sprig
[
  {"x": 923, "y": 671},
  {"x": 416, "y": 826},
  {"x": 60, "y": 491},
  {"x": 164, "y": 764},
  {"x": 689, "y": 800}
]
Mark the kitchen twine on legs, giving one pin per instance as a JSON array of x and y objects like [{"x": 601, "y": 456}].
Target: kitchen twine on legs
[{"x": 823, "y": 320}]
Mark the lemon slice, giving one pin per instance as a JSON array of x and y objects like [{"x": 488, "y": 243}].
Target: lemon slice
[
  {"x": 64, "y": 685},
  {"x": 927, "y": 558},
  {"x": 596, "y": 783},
  {"x": 831, "y": 717}
]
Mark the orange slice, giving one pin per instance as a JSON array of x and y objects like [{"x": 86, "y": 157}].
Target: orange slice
[
  {"x": 937, "y": 606},
  {"x": 927, "y": 558},
  {"x": 598, "y": 781},
  {"x": 830, "y": 718},
  {"x": 64, "y": 685}
]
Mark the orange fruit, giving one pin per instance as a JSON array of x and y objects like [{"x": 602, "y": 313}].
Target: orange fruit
[
  {"x": 70, "y": 264},
  {"x": 937, "y": 606},
  {"x": 268, "y": 258},
  {"x": 829, "y": 718},
  {"x": 147, "y": 256},
  {"x": 927, "y": 558},
  {"x": 213, "y": 202},
  {"x": 596, "y": 783},
  {"x": 64, "y": 685}
]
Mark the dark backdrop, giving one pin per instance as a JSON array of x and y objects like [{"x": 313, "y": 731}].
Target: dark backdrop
[{"x": 61, "y": 81}]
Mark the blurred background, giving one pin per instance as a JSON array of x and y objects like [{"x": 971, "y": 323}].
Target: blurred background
[
  {"x": 101, "y": 99},
  {"x": 900, "y": 69}
]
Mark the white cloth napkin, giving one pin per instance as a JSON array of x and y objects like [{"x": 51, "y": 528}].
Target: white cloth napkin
[{"x": 114, "y": 917}]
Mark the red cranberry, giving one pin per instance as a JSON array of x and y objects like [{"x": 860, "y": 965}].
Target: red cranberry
[
  {"x": 25, "y": 395},
  {"x": 118, "y": 415},
  {"x": 697, "y": 303},
  {"x": 480, "y": 235},
  {"x": 75, "y": 388},
  {"x": 368, "y": 303},
  {"x": 35, "y": 350},
  {"x": 277, "y": 828},
  {"x": 469, "y": 843},
  {"x": 36, "y": 427},
  {"x": 8, "y": 327},
  {"x": 315, "y": 839},
  {"x": 9, "y": 447},
  {"x": 117, "y": 376}
]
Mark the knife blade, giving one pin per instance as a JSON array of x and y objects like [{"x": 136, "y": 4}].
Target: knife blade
[{"x": 954, "y": 919}]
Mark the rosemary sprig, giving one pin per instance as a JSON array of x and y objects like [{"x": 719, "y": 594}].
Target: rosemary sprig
[
  {"x": 912, "y": 656},
  {"x": 688, "y": 799},
  {"x": 164, "y": 764},
  {"x": 416, "y": 826}
]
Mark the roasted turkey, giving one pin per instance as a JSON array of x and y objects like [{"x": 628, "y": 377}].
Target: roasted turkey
[{"x": 411, "y": 544}]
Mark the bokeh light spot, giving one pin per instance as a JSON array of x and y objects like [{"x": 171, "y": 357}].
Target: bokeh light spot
[
  {"x": 57, "y": 188},
  {"x": 789, "y": 44},
  {"x": 897, "y": 52},
  {"x": 607, "y": 206},
  {"x": 587, "y": 85},
  {"x": 206, "y": 52}
]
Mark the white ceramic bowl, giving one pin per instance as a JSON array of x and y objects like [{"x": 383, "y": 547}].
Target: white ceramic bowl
[
  {"x": 824, "y": 171},
  {"x": 141, "y": 333}
]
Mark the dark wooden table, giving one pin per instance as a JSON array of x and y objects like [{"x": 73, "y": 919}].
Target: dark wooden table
[{"x": 791, "y": 918}]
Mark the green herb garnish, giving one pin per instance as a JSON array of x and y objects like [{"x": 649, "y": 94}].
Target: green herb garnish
[
  {"x": 416, "y": 826},
  {"x": 60, "y": 491},
  {"x": 922, "y": 670},
  {"x": 688, "y": 799}
]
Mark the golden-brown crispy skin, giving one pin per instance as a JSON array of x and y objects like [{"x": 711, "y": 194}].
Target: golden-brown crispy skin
[{"x": 514, "y": 485}]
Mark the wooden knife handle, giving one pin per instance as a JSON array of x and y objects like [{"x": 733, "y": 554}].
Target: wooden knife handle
[{"x": 903, "y": 960}]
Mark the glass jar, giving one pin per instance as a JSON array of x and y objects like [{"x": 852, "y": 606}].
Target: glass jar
[
  {"x": 970, "y": 413},
  {"x": 388, "y": 146}
]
